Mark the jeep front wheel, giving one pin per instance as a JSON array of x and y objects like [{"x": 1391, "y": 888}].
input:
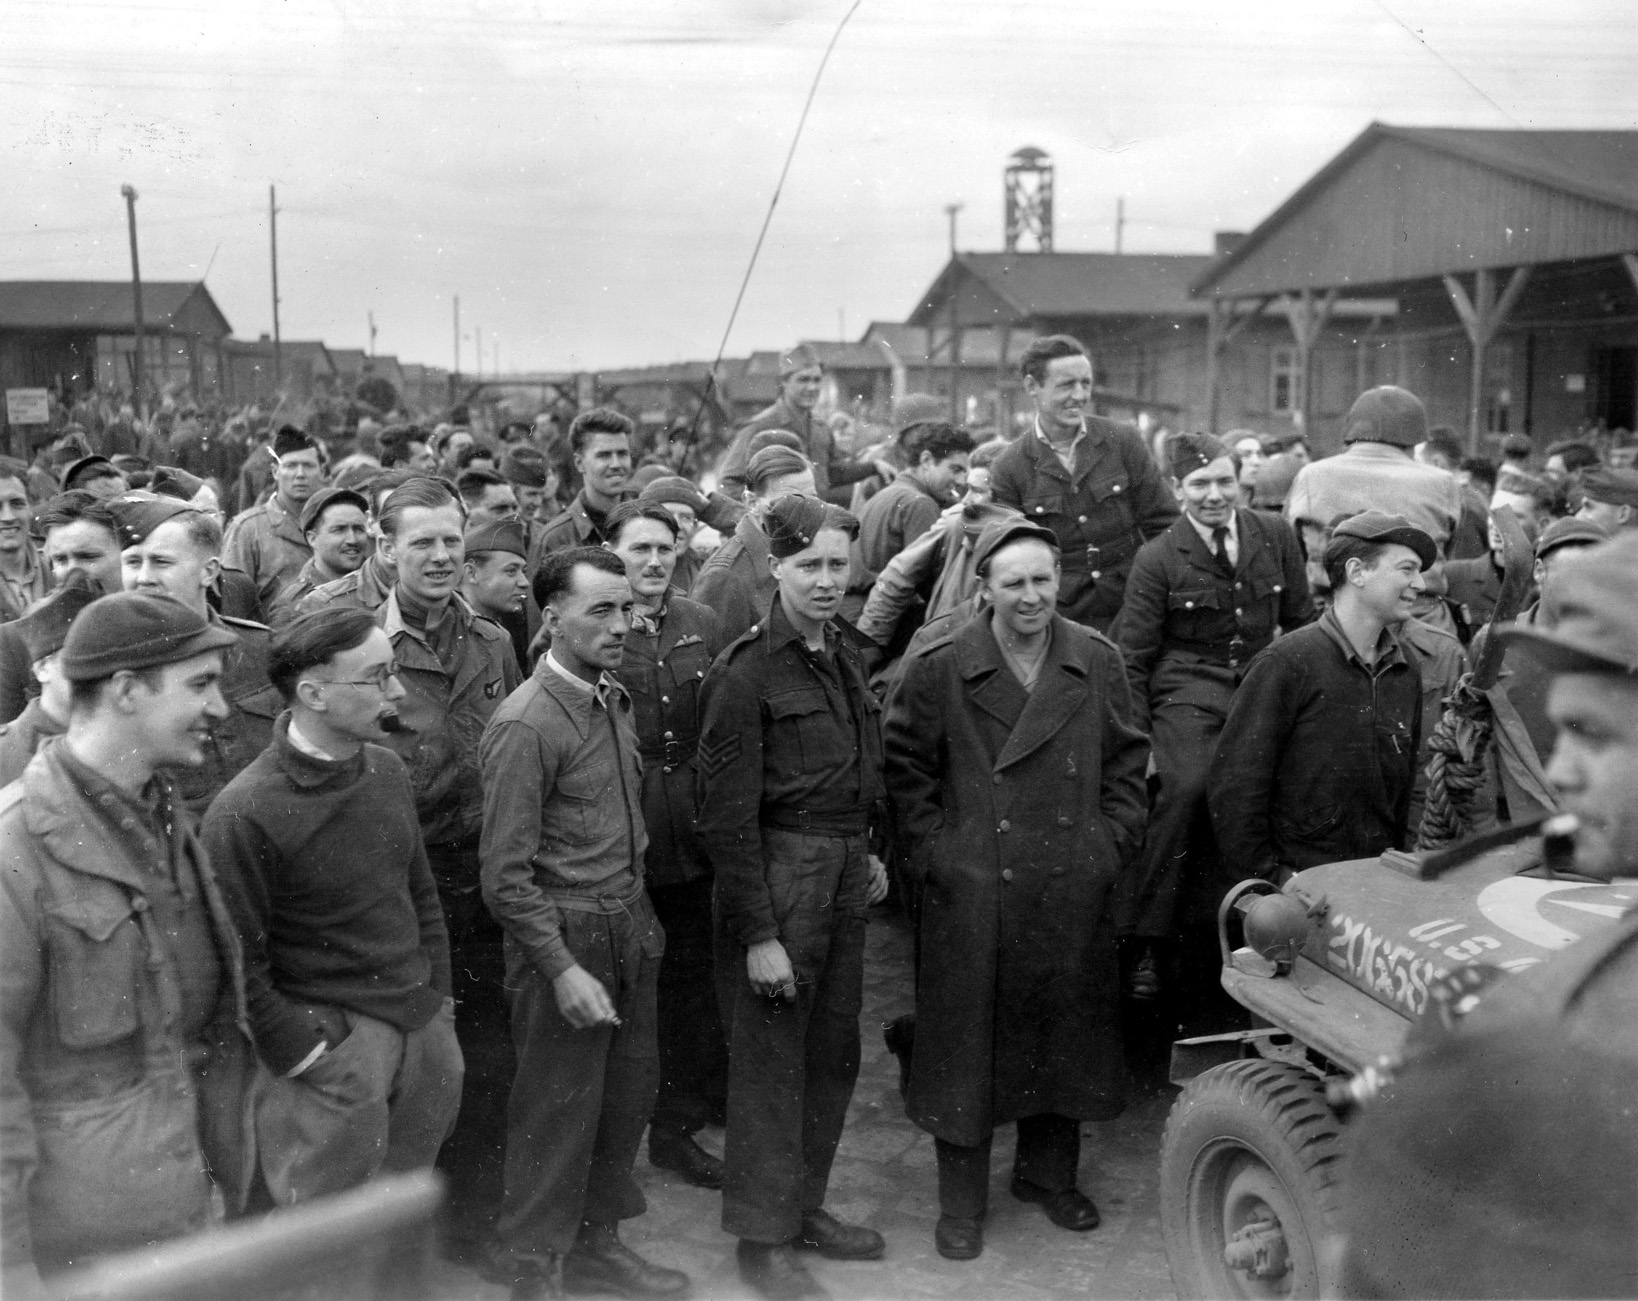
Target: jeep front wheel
[{"x": 1248, "y": 1189}]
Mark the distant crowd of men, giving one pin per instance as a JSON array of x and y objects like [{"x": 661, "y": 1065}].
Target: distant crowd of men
[{"x": 423, "y": 816}]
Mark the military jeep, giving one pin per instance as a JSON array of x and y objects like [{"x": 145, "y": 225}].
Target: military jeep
[{"x": 1334, "y": 969}]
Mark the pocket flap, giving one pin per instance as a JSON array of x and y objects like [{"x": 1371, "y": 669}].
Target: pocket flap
[
  {"x": 1104, "y": 489},
  {"x": 1048, "y": 503},
  {"x": 1196, "y": 599},
  {"x": 795, "y": 704},
  {"x": 96, "y": 919},
  {"x": 589, "y": 783}
]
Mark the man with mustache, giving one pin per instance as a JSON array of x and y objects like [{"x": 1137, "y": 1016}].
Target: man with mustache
[
  {"x": 346, "y": 955},
  {"x": 1090, "y": 480}
]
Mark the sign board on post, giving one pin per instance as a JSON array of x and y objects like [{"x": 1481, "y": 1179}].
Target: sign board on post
[{"x": 27, "y": 406}]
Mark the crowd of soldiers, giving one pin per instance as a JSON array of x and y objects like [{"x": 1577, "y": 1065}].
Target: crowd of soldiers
[{"x": 421, "y": 817}]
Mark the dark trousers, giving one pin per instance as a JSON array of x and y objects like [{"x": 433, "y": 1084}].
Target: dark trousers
[
  {"x": 582, "y": 1098},
  {"x": 471, "y": 1158},
  {"x": 1049, "y": 1152},
  {"x": 1179, "y": 851},
  {"x": 792, "y": 1066},
  {"x": 693, "y": 1054}
]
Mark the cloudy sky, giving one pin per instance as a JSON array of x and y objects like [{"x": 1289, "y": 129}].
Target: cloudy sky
[{"x": 589, "y": 178}]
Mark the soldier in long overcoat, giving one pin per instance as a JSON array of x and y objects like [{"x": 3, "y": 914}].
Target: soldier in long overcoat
[{"x": 1016, "y": 773}]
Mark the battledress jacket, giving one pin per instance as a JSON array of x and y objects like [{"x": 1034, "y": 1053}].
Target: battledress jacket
[
  {"x": 106, "y": 1139},
  {"x": 1023, "y": 810}
]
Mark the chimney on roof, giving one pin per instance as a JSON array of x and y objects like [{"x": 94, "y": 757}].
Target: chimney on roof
[{"x": 1225, "y": 242}]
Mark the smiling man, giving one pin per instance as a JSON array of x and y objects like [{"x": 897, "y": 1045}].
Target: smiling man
[
  {"x": 266, "y": 541},
  {"x": 123, "y": 1069},
  {"x": 336, "y": 524},
  {"x": 495, "y": 580},
  {"x": 563, "y": 855},
  {"x": 346, "y": 955},
  {"x": 1090, "y": 480},
  {"x": 23, "y": 577},
  {"x": 1202, "y": 599},
  {"x": 1317, "y": 759},
  {"x": 601, "y": 443}
]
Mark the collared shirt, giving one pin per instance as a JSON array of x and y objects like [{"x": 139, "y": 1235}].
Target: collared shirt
[
  {"x": 17, "y": 594},
  {"x": 599, "y": 690},
  {"x": 1388, "y": 650},
  {"x": 298, "y": 741},
  {"x": 562, "y": 808},
  {"x": 1066, "y": 457},
  {"x": 1231, "y": 543}
]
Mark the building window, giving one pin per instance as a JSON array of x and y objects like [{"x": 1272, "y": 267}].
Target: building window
[{"x": 1283, "y": 378}]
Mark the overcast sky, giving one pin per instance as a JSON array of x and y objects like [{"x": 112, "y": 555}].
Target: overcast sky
[{"x": 589, "y": 178}]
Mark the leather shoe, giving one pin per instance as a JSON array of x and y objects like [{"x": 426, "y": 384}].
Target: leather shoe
[
  {"x": 1143, "y": 981},
  {"x": 600, "y": 1262},
  {"x": 959, "y": 1237},
  {"x": 679, "y": 1153},
  {"x": 1070, "y": 1209},
  {"x": 773, "y": 1271},
  {"x": 824, "y": 1233}
]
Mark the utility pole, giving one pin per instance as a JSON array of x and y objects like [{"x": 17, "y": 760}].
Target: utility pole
[
  {"x": 371, "y": 316},
  {"x": 1120, "y": 220},
  {"x": 494, "y": 347},
  {"x": 950, "y": 210},
  {"x": 273, "y": 244},
  {"x": 841, "y": 323},
  {"x": 477, "y": 331},
  {"x": 457, "y": 371},
  {"x": 139, "y": 369}
]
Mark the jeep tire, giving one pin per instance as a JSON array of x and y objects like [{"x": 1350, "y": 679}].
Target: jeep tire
[{"x": 1248, "y": 1184}]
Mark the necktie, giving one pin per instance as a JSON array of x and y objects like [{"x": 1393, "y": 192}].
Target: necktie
[{"x": 1219, "y": 546}]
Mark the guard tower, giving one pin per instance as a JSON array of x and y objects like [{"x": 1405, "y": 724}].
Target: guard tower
[{"x": 1029, "y": 200}]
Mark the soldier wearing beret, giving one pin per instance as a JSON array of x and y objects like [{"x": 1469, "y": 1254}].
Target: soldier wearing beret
[
  {"x": 801, "y": 378},
  {"x": 1499, "y": 1162},
  {"x": 790, "y": 762},
  {"x": 1017, "y": 782},
  {"x": 1609, "y": 498},
  {"x": 1090, "y": 480},
  {"x": 42, "y": 631},
  {"x": 1317, "y": 758},
  {"x": 266, "y": 541},
  {"x": 169, "y": 547},
  {"x": 736, "y": 581},
  {"x": 125, "y": 1056},
  {"x": 1202, "y": 599}
]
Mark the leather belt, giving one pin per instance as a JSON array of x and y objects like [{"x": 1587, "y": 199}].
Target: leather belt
[{"x": 837, "y": 822}]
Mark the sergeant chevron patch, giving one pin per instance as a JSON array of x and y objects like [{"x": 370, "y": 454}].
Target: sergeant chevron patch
[{"x": 714, "y": 756}]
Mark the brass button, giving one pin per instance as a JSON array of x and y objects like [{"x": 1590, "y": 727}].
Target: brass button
[
  {"x": 665, "y": 700},
  {"x": 1040, "y": 510},
  {"x": 1188, "y": 605},
  {"x": 1277, "y": 587},
  {"x": 1005, "y": 825},
  {"x": 1238, "y": 612},
  {"x": 139, "y": 905},
  {"x": 1057, "y": 871},
  {"x": 996, "y": 778},
  {"x": 667, "y": 768},
  {"x": 1066, "y": 822},
  {"x": 1083, "y": 519},
  {"x": 1006, "y": 874},
  {"x": 1115, "y": 488},
  {"x": 670, "y": 736},
  {"x": 1097, "y": 573}
]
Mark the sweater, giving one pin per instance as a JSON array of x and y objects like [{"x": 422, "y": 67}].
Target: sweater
[{"x": 326, "y": 877}]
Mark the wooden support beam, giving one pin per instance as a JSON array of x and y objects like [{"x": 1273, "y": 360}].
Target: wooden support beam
[
  {"x": 1307, "y": 317},
  {"x": 1224, "y": 322},
  {"x": 1482, "y": 315},
  {"x": 1630, "y": 261}
]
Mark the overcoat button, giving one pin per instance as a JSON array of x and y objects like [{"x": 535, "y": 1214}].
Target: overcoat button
[
  {"x": 1066, "y": 822},
  {"x": 1006, "y": 874},
  {"x": 1005, "y": 825},
  {"x": 1083, "y": 519},
  {"x": 996, "y": 778},
  {"x": 1057, "y": 871},
  {"x": 1040, "y": 510}
]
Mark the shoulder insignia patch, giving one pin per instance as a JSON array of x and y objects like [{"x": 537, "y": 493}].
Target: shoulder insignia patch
[{"x": 714, "y": 756}]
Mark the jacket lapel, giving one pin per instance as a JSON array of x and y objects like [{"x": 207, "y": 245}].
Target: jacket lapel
[
  {"x": 1058, "y": 694},
  {"x": 990, "y": 683},
  {"x": 1251, "y": 541}
]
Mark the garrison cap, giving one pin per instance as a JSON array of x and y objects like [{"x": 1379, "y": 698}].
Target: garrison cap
[
  {"x": 1594, "y": 602},
  {"x": 523, "y": 466},
  {"x": 170, "y": 481},
  {"x": 801, "y": 357},
  {"x": 139, "y": 512},
  {"x": 1610, "y": 485},
  {"x": 1386, "y": 414},
  {"x": 1186, "y": 453},
  {"x": 771, "y": 462},
  {"x": 135, "y": 630},
  {"x": 1378, "y": 526},
  {"x": 497, "y": 535},
  {"x": 998, "y": 533},
  {"x": 673, "y": 487},
  {"x": 324, "y": 498},
  {"x": 1569, "y": 532},
  {"x": 794, "y": 521},
  {"x": 46, "y": 624}
]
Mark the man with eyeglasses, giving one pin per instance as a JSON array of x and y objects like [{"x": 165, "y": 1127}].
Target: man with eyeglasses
[{"x": 345, "y": 951}]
